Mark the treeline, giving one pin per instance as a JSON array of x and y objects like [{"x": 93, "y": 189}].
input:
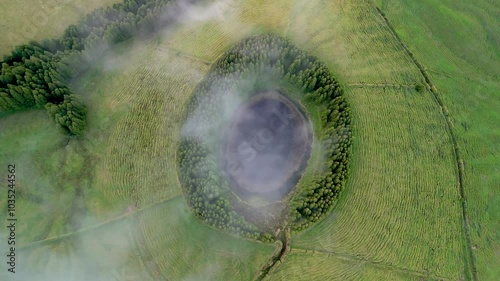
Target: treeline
[
  {"x": 207, "y": 192},
  {"x": 264, "y": 62},
  {"x": 106, "y": 27},
  {"x": 30, "y": 79},
  {"x": 317, "y": 199},
  {"x": 314, "y": 79},
  {"x": 36, "y": 75}
]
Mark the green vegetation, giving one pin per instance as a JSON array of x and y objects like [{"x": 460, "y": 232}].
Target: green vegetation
[
  {"x": 412, "y": 183},
  {"x": 304, "y": 265},
  {"x": 458, "y": 43},
  {"x": 257, "y": 63},
  {"x": 181, "y": 247},
  {"x": 30, "y": 79},
  {"x": 82, "y": 257},
  {"x": 34, "y": 75},
  {"x": 38, "y": 20},
  {"x": 400, "y": 214},
  {"x": 136, "y": 247}
]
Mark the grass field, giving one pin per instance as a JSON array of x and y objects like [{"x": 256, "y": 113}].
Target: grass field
[
  {"x": 23, "y": 21},
  {"x": 400, "y": 217},
  {"x": 238, "y": 21},
  {"x": 182, "y": 248},
  {"x": 303, "y": 265},
  {"x": 140, "y": 144},
  {"x": 467, "y": 77},
  {"x": 353, "y": 40},
  {"x": 402, "y": 205},
  {"x": 29, "y": 139},
  {"x": 136, "y": 247},
  {"x": 113, "y": 256}
]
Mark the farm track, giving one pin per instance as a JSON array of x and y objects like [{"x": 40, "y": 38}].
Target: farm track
[
  {"x": 380, "y": 265},
  {"x": 449, "y": 123},
  {"x": 93, "y": 227}
]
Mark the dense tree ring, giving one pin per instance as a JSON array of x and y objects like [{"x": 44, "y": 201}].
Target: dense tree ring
[
  {"x": 229, "y": 109},
  {"x": 266, "y": 146}
]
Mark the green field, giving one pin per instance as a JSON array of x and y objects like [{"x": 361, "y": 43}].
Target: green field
[
  {"x": 23, "y": 21},
  {"x": 401, "y": 215},
  {"x": 465, "y": 67},
  {"x": 303, "y": 265},
  {"x": 406, "y": 213}
]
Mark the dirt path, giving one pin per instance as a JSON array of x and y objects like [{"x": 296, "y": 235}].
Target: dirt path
[{"x": 278, "y": 257}]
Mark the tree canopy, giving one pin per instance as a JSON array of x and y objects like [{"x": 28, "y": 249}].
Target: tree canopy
[
  {"x": 36, "y": 74},
  {"x": 264, "y": 61}
]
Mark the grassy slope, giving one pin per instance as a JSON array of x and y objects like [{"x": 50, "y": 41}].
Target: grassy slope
[
  {"x": 137, "y": 247},
  {"x": 105, "y": 173},
  {"x": 183, "y": 248},
  {"x": 303, "y": 266},
  {"x": 123, "y": 138},
  {"x": 401, "y": 206},
  {"x": 352, "y": 40},
  {"x": 28, "y": 140},
  {"x": 458, "y": 42},
  {"x": 137, "y": 146},
  {"x": 113, "y": 256},
  {"x": 131, "y": 152},
  {"x": 23, "y": 21},
  {"x": 238, "y": 21}
]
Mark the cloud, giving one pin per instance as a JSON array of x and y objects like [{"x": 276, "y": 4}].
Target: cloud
[{"x": 192, "y": 13}]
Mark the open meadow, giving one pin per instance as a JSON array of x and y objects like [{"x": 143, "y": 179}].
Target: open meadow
[
  {"x": 23, "y": 21},
  {"x": 422, "y": 200}
]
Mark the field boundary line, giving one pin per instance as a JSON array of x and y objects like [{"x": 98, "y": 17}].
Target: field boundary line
[
  {"x": 98, "y": 225},
  {"x": 379, "y": 85},
  {"x": 380, "y": 265},
  {"x": 471, "y": 259}
]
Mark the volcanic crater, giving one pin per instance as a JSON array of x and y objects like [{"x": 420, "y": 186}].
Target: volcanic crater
[{"x": 266, "y": 146}]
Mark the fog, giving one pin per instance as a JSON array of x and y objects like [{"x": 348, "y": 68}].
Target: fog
[
  {"x": 108, "y": 251},
  {"x": 265, "y": 145}
]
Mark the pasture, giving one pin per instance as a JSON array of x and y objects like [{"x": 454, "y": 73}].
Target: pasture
[
  {"x": 23, "y": 21},
  {"x": 401, "y": 215},
  {"x": 467, "y": 79}
]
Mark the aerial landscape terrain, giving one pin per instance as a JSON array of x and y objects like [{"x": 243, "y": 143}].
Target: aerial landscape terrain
[{"x": 249, "y": 140}]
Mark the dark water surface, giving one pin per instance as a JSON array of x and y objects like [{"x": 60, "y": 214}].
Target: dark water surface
[{"x": 266, "y": 145}]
